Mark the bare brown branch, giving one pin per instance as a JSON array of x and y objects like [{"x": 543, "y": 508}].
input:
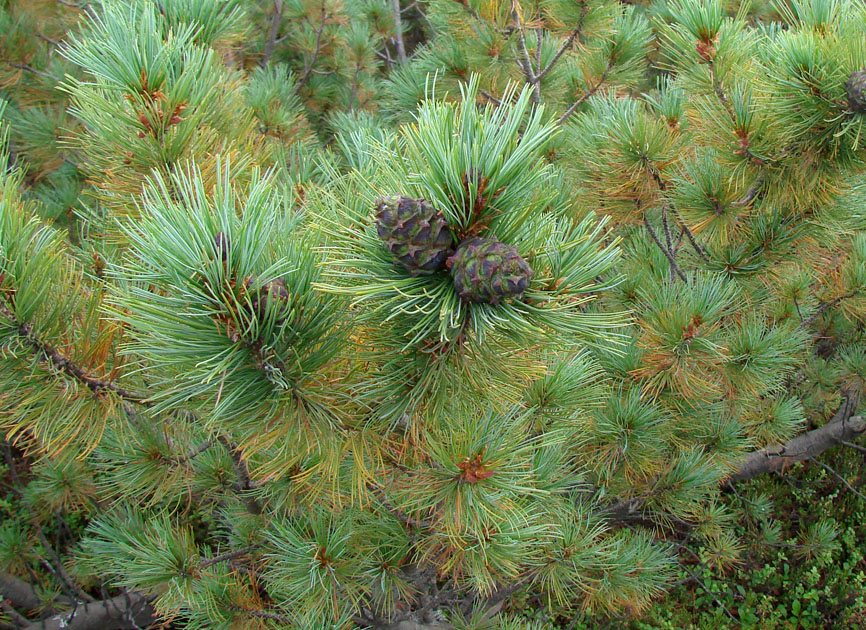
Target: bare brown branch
[{"x": 841, "y": 428}]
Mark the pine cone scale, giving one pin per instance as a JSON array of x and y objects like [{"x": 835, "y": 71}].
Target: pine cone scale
[
  {"x": 486, "y": 270},
  {"x": 855, "y": 87},
  {"x": 415, "y": 233}
]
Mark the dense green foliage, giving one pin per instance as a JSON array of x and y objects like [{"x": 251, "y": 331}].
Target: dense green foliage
[{"x": 243, "y": 381}]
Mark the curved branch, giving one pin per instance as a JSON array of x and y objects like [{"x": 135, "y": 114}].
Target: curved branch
[
  {"x": 20, "y": 593},
  {"x": 824, "y": 307},
  {"x": 128, "y": 610},
  {"x": 842, "y": 428}
]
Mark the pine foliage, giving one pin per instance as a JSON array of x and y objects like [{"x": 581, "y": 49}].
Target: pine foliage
[{"x": 221, "y": 370}]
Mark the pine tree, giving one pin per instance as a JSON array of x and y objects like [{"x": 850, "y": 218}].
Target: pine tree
[{"x": 334, "y": 315}]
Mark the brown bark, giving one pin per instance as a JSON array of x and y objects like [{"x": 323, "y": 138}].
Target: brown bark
[
  {"x": 842, "y": 428},
  {"x": 21, "y": 595},
  {"x": 124, "y": 612}
]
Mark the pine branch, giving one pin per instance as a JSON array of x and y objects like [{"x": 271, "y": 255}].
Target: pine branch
[
  {"x": 691, "y": 237},
  {"x": 17, "y": 618},
  {"x": 63, "y": 364},
  {"x": 403, "y": 518},
  {"x": 201, "y": 448},
  {"x": 841, "y": 428},
  {"x": 261, "y": 614},
  {"x": 838, "y": 476},
  {"x": 824, "y": 307},
  {"x": 276, "y": 18},
  {"x": 752, "y": 192},
  {"x": 55, "y": 567},
  {"x": 398, "y": 31},
  {"x": 524, "y": 61},
  {"x": 84, "y": 6},
  {"x": 231, "y": 555},
  {"x": 115, "y": 613},
  {"x": 719, "y": 91},
  {"x": 662, "y": 186},
  {"x": 31, "y": 69},
  {"x": 667, "y": 229},
  {"x": 586, "y": 95},
  {"x": 62, "y": 576},
  {"x": 308, "y": 68},
  {"x": 665, "y": 250},
  {"x": 470, "y": 10},
  {"x": 490, "y": 97},
  {"x": 703, "y": 586},
  {"x": 565, "y": 45},
  {"x": 244, "y": 483}
]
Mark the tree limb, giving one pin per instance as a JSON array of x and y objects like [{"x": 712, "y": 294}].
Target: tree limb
[
  {"x": 128, "y": 610},
  {"x": 20, "y": 593},
  {"x": 308, "y": 68},
  {"x": 841, "y": 428},
  {"x": 565, "y": 45},
  {"x": 398, "y": 31},
  {"x": 271, "y": 42},
  {"x": 666, "y": 251},
  {"x": 230, "y": 555},
  {"x": 524, "y": 61},
  {"x": 824, "y": 307},
  {"x": 244, "y": 483},
  {"x": 585, "y": 96}
]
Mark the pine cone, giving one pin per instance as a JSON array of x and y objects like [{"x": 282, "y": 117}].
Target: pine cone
[
  {"x": 485, "y": 270},
  {"x": 222, "y": 244},
  {"x": 273, "y": 290},
  {"x": 856, "y": 89},
  {"x": 415, "y": 233}
]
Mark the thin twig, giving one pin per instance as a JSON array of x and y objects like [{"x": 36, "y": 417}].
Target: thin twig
[
  {"x": 262, "y": 614},
  {"x": 585, "y": 96},
  {"x": 490, "y": 97},
  {"x": 723, "y": 99},
  {"x": 712, "y": 594},
  {"x": 668, "y": 239},
  {"x": 823, "y": 308},
  {"x": 839, "y": 477},
  {"x": 60, "y": 574},
  {"x": 407, "y": 520},
  {"x": 856, "y": 447},
  {"x": 662, "y": 247},
  {"x": 354, "y": 92},
  {"x": 201, "y": 448},
  {"x": 662, "y": 186},
  {"x": 470, "y": 10},
  {"x": 270, "y": 43},
  {"x": 667, "y": 229},
  {"x": 53, "y": 42},
  {"x": 398, "y": 31},
  {"x": 752, "y": 192},
  {"x": 691, "y": 237},
  {"x": 524, "y": 60},
  {"x": 566, "y": 44},
  {"x": 82, "y": 7},
  {"x": 308, "y": 69},
  {"x": 244, "y": 483},
  {"x": 24, "y": 66},
  {"x": 231, "y": 555}
]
